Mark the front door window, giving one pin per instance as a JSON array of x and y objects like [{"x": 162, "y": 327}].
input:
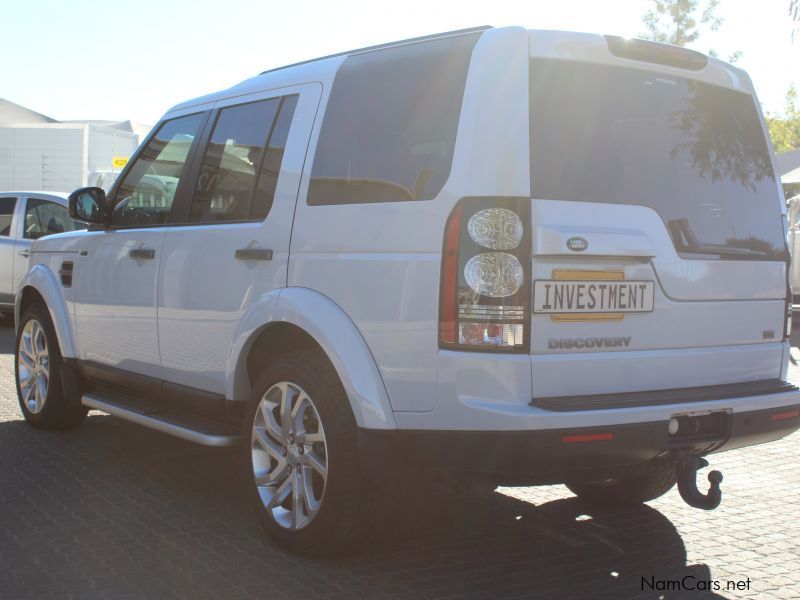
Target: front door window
[{"x": 146, "y": 194}]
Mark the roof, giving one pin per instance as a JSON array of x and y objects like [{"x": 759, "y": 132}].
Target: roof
[
  {"x": 386, "y": 45},
  {"x": 139, "y": 129},
  {"x": 121, "y": 125},
  {"x": 320, "y": 70},
  {"x": 15, "y": 115},
  {"x": 788, "y": 165},
  {"x": 60, "y": 197},
  {"x": 11, "y": 112},
  {"x": 563, "y": 45}
]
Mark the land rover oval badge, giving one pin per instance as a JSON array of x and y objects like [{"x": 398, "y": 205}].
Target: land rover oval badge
[{"x": 577, "y": 244}]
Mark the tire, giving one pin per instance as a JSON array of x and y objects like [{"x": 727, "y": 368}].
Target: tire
[
  {"x": 38, "y": 355},
  {"x": 335, "y": 511},
  {"x": 627, "y": 491}
]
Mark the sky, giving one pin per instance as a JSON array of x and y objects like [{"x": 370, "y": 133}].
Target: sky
[{"x": 92, "y": 59}]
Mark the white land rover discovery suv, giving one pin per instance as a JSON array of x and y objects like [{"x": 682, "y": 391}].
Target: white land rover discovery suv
[{"x": 522, "y": 256}]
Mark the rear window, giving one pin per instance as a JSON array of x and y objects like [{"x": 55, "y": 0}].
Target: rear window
[
  {"x": 693, "y": 152},
  {"x": 390, "y": 124},
  {"x": 6, "y": 214}
]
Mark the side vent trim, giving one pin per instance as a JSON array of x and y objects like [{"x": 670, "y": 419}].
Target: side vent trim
[{"x": 66, "y": 273}]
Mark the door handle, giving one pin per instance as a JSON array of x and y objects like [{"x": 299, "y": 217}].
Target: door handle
[
  {"x": 142, "y": 254},
  {"x": 25, "y": 253},
  {"x": 253, "y": 254}
]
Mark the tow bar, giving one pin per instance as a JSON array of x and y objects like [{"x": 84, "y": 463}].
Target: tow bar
[{"x": 687, "y": 465}]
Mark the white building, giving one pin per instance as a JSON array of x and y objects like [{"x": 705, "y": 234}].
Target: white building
[
  {"x": 788, "y": 165},
  {"x": 40, "y": 153}
]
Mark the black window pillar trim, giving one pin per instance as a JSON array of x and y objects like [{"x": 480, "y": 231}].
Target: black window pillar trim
[{"x": 182, "y": 204}]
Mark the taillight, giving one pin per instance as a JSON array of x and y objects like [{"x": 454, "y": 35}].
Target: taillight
[
  {"x": 484, "y": 297},
  {"x": 787, "y": 325}
]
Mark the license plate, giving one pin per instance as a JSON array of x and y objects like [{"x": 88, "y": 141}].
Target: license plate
[{"x": 552, "y": 296}]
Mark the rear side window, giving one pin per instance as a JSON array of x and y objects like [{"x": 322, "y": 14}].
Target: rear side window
[
  {"x": 6, "y": 214},
  {"x": 390, "y": 124},
  {"x": 43, "y": 217},
  {"x": 240, "y": 166},
  {"x": 693, "y": 152}
]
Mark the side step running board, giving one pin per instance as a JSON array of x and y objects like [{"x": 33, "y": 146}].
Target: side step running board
[{"x": 165, "y": 422}]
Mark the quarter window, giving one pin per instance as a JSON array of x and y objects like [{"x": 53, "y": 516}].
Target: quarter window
[
  {"x": 146, "y": 194},
  {"x": 45, "y": 218},
  {"x": 390, "y": 125},
  {"x": 6, "y": 214},
  {"x": 240, "y": 167}
]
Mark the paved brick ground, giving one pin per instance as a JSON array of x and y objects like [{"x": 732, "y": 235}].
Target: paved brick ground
[{"x": 112, "y": 510}]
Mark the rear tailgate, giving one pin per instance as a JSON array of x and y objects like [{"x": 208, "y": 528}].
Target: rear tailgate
[{"x": 657, "y": 229}]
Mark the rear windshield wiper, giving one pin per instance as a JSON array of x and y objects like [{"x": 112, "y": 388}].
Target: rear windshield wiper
[
  {"x": 686, "y": 241},
  {"x": 727, "y": 251}
]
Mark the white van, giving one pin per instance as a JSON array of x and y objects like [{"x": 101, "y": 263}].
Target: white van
[{"x": 524, "y": 257}]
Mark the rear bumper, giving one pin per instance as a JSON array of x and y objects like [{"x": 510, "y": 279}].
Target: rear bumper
[
  {"x": 499, "y": 392},
  {"x": 558, "y": 455},
  {"x": 684, "y": 395}
]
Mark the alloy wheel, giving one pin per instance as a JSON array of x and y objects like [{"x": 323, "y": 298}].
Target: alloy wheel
[
  {"x": 34, "y": 366},
  {"x": 289, "y": 455}
]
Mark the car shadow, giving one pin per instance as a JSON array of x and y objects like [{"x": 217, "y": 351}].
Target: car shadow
[
  {"x": 114, "y": 508},
  {"x": 7, "y": 340}
]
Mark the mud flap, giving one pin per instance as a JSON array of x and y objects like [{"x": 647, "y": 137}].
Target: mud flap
[{"x": 70, "y": 382}]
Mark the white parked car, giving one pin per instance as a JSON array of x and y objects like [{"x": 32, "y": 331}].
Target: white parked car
[
  {"x": 524, "y": 257},
  {"x": 25, "y": 217},
  {"x": 793, "y": 210}
]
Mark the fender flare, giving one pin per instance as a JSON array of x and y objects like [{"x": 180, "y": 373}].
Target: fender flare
[
  {"x": 336, "y": 334},
  {"x": 41, "y": 279}
]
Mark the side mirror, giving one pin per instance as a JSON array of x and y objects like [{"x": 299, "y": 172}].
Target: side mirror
[{"x": 88, "y": 205}]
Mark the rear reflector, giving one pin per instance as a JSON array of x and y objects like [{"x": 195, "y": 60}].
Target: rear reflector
[
  {"x": 589, "y": 437},
  {"x": 449, "y": 285},
  {"x": 782, "y": 416}
]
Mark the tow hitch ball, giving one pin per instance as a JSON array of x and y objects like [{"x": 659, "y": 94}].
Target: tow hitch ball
[{"x": 687, "y": 465}]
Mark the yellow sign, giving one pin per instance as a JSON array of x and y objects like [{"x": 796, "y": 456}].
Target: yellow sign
[
  {"x": 576, "y": 275},
  {"x": 119, "y": 162}
]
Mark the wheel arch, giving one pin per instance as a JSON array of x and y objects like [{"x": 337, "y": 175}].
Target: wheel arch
[
  {"x": 299, "y": 319},
  {"x": 40, "y": 284}
]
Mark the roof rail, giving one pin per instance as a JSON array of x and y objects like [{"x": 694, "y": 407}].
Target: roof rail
[{"x": 381, "y": 46}]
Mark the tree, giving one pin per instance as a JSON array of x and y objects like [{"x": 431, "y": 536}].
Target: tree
[
  {"x": 680, "y": 22},
  {"x": 784, "y": 129},
  {"x": 717, "y": 143}
]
